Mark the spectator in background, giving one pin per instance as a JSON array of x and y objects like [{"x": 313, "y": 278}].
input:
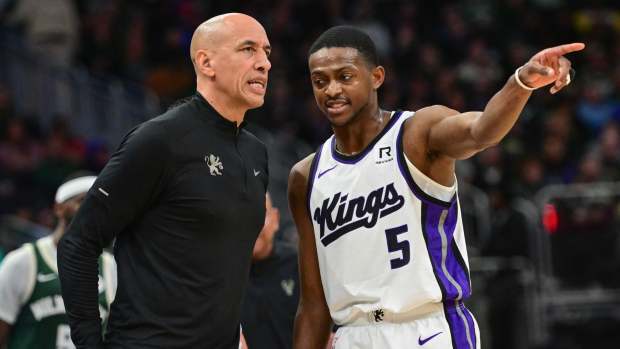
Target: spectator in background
[
  {"x": 596, "y": 108},
  {"x": 270, "y": 303},
  {"x": 62, "y": 154},
  {"x": 20, "y": 154},
  {"x": 6, "y": 106},
  {"x": 50, "y": 27},
  {"x": 365, "y": 19},
  {"x": 32, "y": 313},
  {"x": 609, "y": 148}
]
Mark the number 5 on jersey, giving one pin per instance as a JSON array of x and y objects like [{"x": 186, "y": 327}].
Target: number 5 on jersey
[{"x": 394, "y": 245}]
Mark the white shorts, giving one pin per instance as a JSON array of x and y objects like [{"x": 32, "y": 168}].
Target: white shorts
[{"x": 452, "y": 328}]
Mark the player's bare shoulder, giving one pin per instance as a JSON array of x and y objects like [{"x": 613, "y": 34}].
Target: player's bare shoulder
[
  {"x": 417, "y": 128},
  {"x": 298, "y": 178},
  {"x": 426, "y": 117}
]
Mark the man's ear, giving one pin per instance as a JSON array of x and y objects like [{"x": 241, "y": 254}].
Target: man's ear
[
  {"x": 203, "y": 63},
  {"x": 378, "y": 76}
]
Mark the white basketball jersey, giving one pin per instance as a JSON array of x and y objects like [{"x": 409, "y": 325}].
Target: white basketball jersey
[{"x": 387, "y": 236}]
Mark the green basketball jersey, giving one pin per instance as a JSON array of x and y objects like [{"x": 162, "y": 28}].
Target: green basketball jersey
[{"x": 42, "y": 322}]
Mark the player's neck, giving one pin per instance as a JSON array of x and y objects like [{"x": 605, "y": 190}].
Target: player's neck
[
  {"x": 226, "y": 109},
  {"x": 355, "y": 136}
]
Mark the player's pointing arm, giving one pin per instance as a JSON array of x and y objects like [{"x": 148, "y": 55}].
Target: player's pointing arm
[{"x": 461, "y": 135}]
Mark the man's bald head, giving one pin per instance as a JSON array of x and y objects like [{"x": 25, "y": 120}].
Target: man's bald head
[
  {"x": 213, "y": 31},
  {"x": 230, "y": 54}
]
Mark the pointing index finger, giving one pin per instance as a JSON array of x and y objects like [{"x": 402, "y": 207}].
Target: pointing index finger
[{"x": 564, "y": 49}]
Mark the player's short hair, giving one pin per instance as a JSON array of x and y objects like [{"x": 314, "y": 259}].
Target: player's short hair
[{"x": 347, "y": 36}]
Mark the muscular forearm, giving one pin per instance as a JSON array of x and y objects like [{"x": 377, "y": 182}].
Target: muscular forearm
[
  {"x": 500, "y": 114},
  {"x": 312, "y": 329}
]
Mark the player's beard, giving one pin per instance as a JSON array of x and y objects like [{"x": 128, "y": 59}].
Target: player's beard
[{"x": 353, "y": 117}]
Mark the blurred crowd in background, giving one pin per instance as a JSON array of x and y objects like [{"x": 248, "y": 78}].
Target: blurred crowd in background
[{"x": 455, "y": 53}]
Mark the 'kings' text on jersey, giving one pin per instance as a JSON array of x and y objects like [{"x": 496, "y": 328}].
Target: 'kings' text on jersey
[{"x": 362, "y": 211}]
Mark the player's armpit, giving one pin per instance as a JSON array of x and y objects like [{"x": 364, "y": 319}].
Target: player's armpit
[{"x": 313, "y": 322}]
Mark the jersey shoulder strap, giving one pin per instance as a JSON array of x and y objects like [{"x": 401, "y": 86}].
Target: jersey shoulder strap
[{"x": 34, "y": 257}]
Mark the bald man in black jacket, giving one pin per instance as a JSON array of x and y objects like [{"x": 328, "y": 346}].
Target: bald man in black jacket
[{"x": 184, "y": 196}]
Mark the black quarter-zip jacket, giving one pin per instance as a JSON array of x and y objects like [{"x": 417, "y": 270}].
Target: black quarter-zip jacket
[{"x": 184, "y": 196}]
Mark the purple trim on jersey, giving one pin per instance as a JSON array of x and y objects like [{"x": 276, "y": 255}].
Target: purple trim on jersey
[
  {"x": 313, "y": 168},
  {"x": 404, "y": 170},
  {"x": 470, "y": 323},
  {"x": 433, "y": 245},
  {"x": 457, "y": 331},
  {"x": 432, "y": 209},
  {"x": 454, "y": 261},
  {"x": 466, "y": 283},
  {"x": 461, "y": 325},
  {"x": 353, "y": 159},
  {"x": 426, "y": 236},
  {"x": 448, "y": 272}
]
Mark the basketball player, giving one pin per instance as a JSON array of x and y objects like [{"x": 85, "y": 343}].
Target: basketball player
[
  {"x": 382, "y": 249},
  {"x": 32, "y": 312}
]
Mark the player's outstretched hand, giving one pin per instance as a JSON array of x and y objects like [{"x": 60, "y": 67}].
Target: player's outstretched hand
[{"x": 549, "y": 66}]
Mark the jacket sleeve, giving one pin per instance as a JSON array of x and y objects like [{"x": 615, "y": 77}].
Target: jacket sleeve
[{"x": 131, "y": 181}]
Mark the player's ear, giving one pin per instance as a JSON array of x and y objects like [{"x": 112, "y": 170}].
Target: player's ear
[
  {"x": 203, "y": 63},
  {"x": 378, "y": 76}
]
